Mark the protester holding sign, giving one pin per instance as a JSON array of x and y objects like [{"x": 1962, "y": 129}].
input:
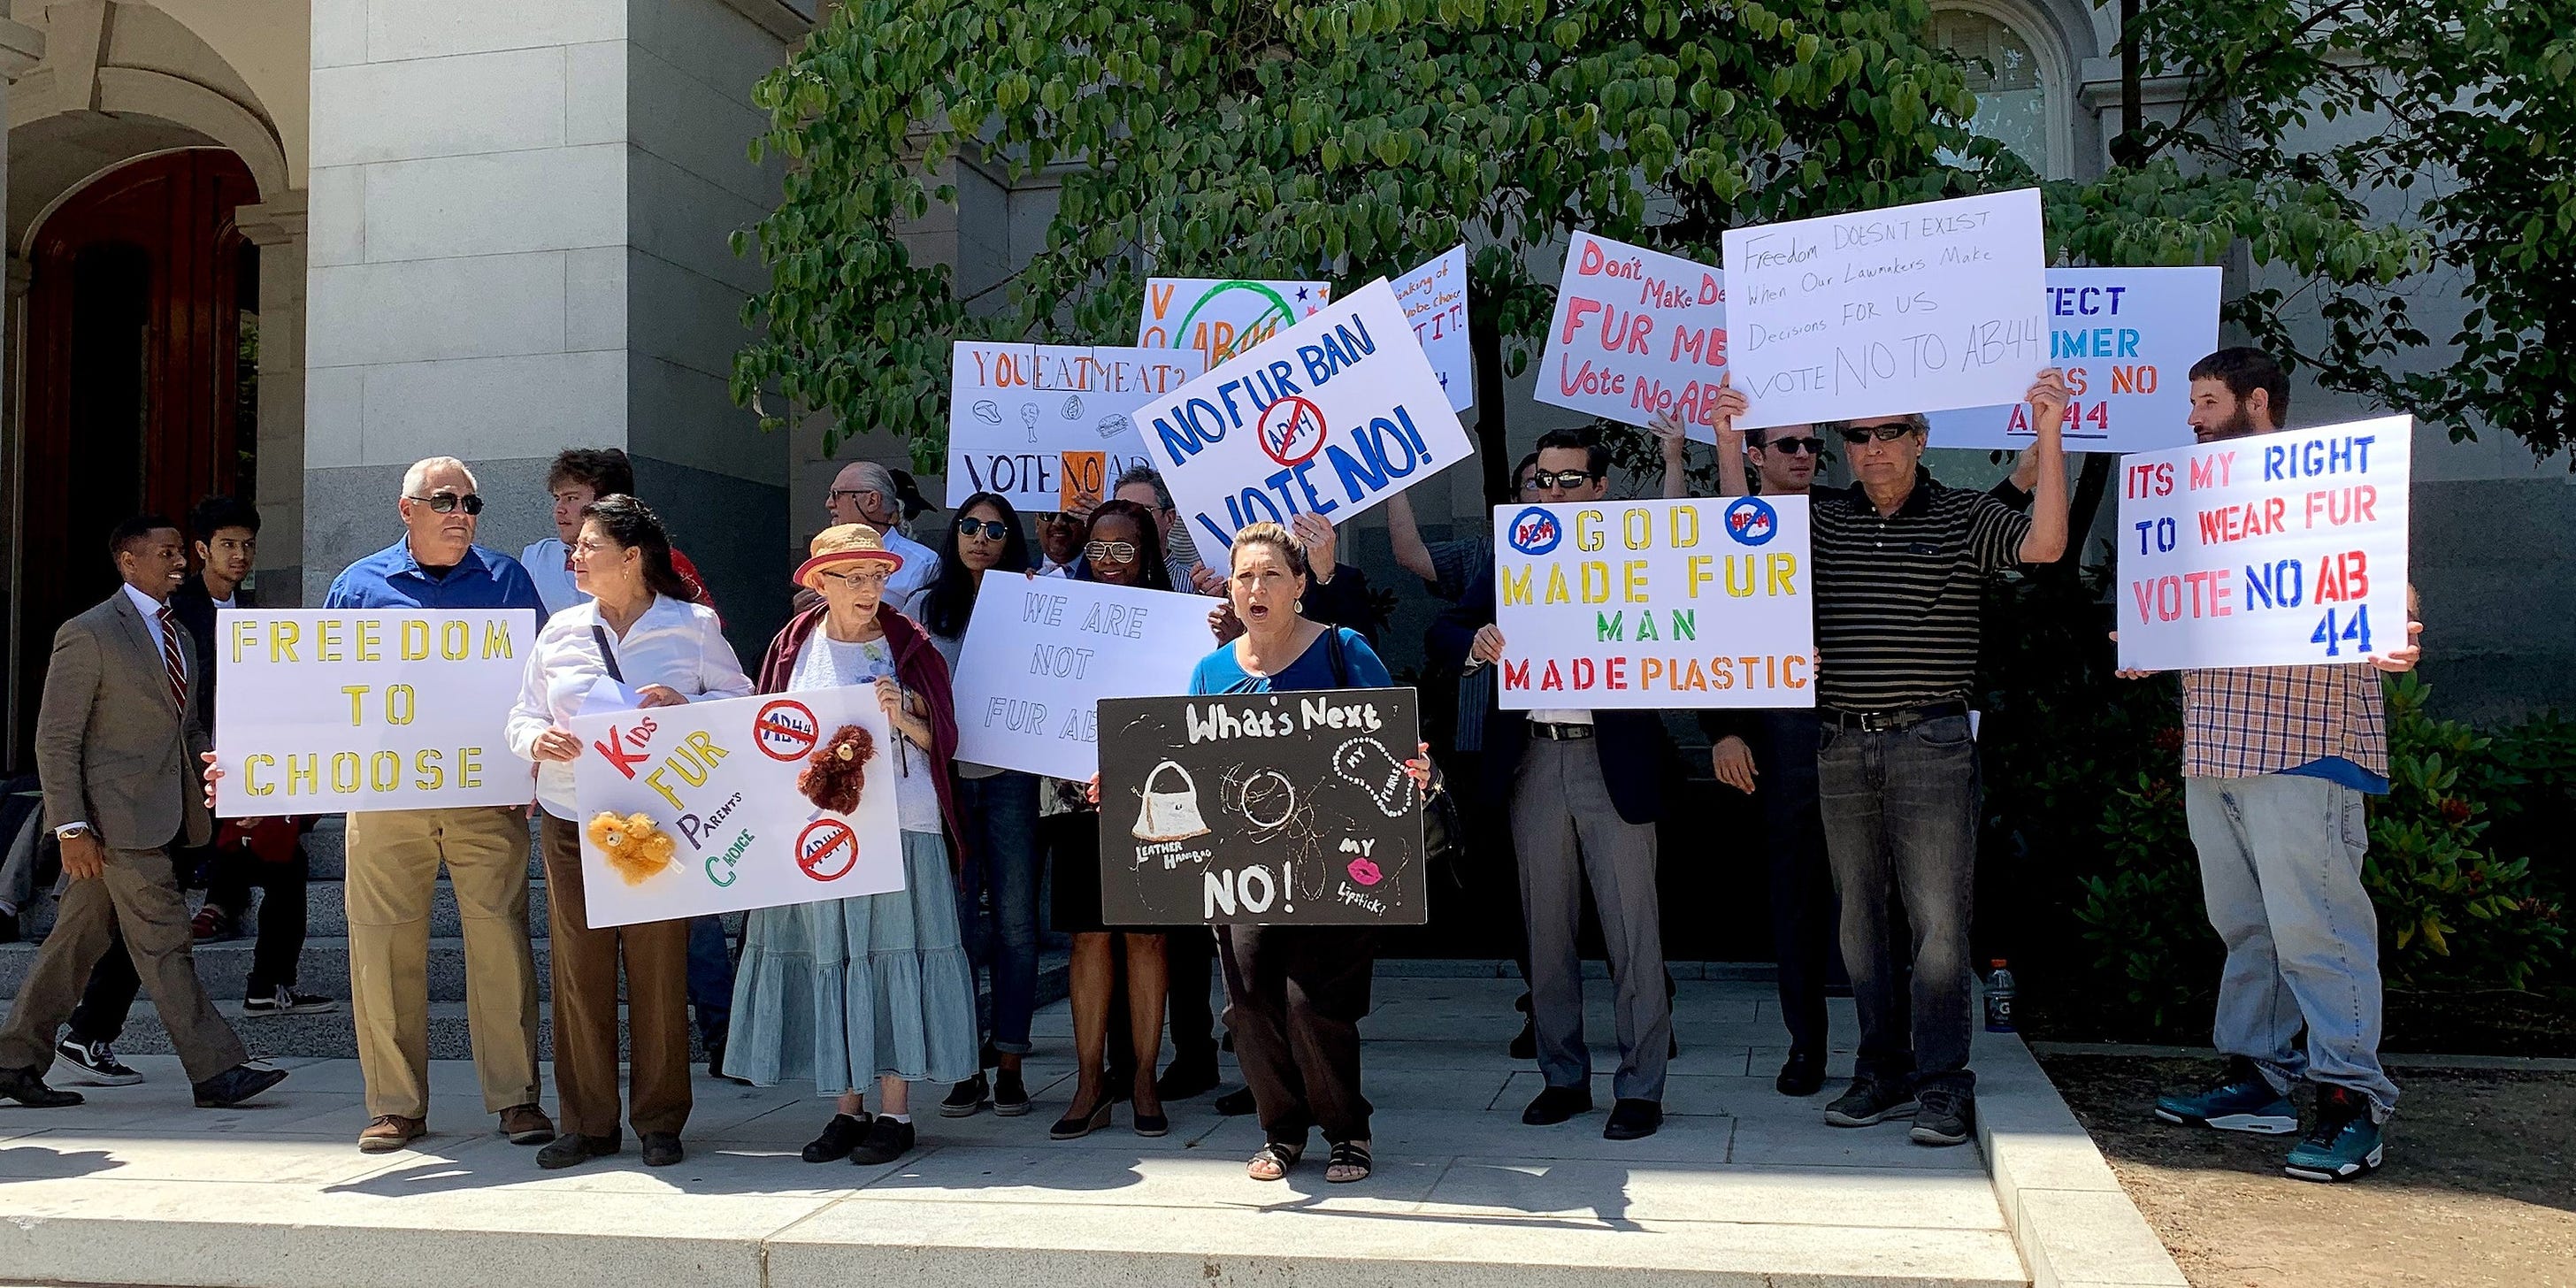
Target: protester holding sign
[
  {"x": 1900, "y": 569},
  {"x": 394, "y": 855},
  {"x": 878, "y": 986},
  {"x": 999, "y": 808},
  {"x": 1295, "y": 994},
  {"x": 1584, "y": 790},
  {"x": 636, "y": 640},
  {"x": 2276, "y": 763}
]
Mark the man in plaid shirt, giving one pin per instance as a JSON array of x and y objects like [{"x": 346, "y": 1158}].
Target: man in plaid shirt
[{"x": 2276, "y": 762}]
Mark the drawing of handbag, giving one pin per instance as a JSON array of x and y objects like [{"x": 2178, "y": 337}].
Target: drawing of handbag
[{"x": 1170, "y": 816}]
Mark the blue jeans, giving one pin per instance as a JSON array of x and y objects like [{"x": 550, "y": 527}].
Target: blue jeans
[
  {"x": 1001, "y": 843},
  {"x": 1900, "y": 810},
  {"x": 710, "y": 979},
  {"x": 2280, "y": 868}
]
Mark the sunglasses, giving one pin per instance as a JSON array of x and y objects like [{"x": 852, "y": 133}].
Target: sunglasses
[
  {"x": 1883, "y": 433},
  {"x": 993, "y": 529},
  {"x": 449, "y": 502},
  {"x": 1110, "y": 551},
  {"x": 1562, "y": 478},
  {"x": 1793, "y": 446}
]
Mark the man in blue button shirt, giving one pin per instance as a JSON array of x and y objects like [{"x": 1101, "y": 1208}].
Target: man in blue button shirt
[{"x": 394, "y": 855}]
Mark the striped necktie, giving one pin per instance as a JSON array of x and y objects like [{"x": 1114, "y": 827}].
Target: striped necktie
[{"x": 170, "y": 658}]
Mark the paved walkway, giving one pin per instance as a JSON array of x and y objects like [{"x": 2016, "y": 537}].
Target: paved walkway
[{"x": 1743, "y": 1186}]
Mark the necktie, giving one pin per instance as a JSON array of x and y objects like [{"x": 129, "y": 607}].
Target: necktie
[{"x": 170, "y": 658}]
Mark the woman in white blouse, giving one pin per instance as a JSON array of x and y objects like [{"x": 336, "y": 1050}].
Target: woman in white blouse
[{"x": 638, "y": 642}]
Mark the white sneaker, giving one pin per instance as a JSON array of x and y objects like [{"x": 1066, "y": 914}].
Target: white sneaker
[{"x": 97, "y": 1063}]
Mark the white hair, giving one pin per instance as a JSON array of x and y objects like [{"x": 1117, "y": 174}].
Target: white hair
[
  {"x": 418, "y": 475},
  {"x": 876, "y": 478}
]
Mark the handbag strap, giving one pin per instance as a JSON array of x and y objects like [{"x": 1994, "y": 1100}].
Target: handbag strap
[
  {"x": 607, "y": 655},
  {"x": 1333, "y": 654}
]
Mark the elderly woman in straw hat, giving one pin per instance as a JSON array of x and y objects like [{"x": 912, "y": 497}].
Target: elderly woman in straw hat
[{"x": 846, "y": 991}]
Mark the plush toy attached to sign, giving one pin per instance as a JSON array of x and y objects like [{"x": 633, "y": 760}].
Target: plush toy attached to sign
[
  {"x": 837, "y": 773},
  {"x": 635, "y": 847}
]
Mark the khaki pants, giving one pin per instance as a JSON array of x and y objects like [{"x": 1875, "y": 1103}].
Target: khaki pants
[
  {"x": 394, "y": 856},
  {"x": 585, "y": 1004},
  {"x": 139, "y": 893}
]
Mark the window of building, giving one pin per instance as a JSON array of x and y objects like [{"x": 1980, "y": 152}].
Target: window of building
[{"x": 2009, "y": 79}]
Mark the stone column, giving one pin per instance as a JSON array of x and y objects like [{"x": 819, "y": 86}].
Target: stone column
[{"x": 278, "y": 228}]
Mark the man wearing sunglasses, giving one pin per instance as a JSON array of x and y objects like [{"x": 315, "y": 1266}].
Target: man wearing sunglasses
[
  {"x": 394, "y": 855},
  {"x": 866, "y": 492},
  {"x": 1900, "y": 565}
]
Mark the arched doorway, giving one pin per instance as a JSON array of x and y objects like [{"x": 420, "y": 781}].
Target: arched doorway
[{"x": 140, "y": 361}]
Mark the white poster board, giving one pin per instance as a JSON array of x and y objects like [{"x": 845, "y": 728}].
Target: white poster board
[
  {"x": 1330, "y": 418},
  {"x": 2284, "y": 549},
  {"x": 1219, "y": 317},
  {"x": 1042, "y": 652},
  {"x": 1434, "y": 297},
  {"x": 2127, "y": 338},
  {"x": 1636, "y": 332},
  {"x": 720, "y": 780},
  {"x": 1021, "y": 415},
  {"x": 1653, "y": 604},
  {"x": 326, "y": 711},
  {"x": 1882, "y": 312}
]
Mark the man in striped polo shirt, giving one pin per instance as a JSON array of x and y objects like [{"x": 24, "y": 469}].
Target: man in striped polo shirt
[{"x": 1900, "y": 566}]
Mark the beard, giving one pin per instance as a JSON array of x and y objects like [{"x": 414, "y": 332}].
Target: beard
[{"x": 2238, "y": 424}]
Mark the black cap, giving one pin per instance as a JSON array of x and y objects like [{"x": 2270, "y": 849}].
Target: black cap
[{"x": 908, "y": 494}]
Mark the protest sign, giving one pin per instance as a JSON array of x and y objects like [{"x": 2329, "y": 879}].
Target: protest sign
[
  {"x": 1332, "y": 417},
  {"x": 326, "y": 711},
  {"x": 754, "y": 802},
  {"x": 1650, "y": 604},
  {"x": 1434, "y": 297},
  {"x": 2279, "y": 549},
  {"x": 1636, "y": 332},
  {"x": 2127, "y": 338},
  {"x": 1017, "y": 412},
  {"x": 1882, "y": 312},
  {"x": 1262, "y": 808},
  {"x": 1040, "y": 651},
  {"x": 1219, "y": 317}
]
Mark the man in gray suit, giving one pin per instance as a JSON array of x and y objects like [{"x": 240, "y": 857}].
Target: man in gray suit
[{"x": 118, "y": 739}]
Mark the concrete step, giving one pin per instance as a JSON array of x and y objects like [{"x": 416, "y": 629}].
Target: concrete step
[{"x": 225, "y": 967}]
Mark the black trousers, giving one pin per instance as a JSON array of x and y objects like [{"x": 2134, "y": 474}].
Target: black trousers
[
  {"x": 1294, "y": 997},
  {"x": 109, "y": 998},
  {"x": 1805, "y": 919},
  {"x": 1189, "y": 964}
]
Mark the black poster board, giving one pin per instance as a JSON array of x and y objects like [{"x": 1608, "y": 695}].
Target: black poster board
[{"x": 1263, "y": 808}]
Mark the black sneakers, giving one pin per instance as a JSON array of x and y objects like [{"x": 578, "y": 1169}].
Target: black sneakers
[
  {"x": 1946, "y": 1117},
  {"x": 840, "y": 1136},
  {"x": 887, "y": 1140},
  {"x": 966, "y": 1099},
  {"x": 1010, "y": 1095},
  {"x": 97, "y": 1063},
  {"x": 286, "y": 1001},
  {"x": 1870, "y": 1102}
]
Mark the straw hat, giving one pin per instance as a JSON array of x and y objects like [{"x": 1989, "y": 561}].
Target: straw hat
[{"x": 844, "y": 543}]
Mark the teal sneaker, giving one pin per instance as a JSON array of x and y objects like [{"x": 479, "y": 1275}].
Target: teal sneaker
[
  {"x": 2344, "y": 1144},
  {"x": 2241, "y": 1101}
]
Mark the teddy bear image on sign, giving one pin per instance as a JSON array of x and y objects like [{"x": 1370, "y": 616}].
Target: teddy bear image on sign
[
  {"x": 635, "y": 846},
  {"x": 836, "y": 775}
]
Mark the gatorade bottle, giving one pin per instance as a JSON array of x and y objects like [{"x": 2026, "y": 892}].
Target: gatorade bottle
[{"x": 1999, "y": 998}]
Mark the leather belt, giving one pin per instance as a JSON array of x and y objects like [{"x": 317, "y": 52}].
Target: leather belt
[
  {"x": 1889, "y": 721},
  {"x": 1559, "y": 732}
]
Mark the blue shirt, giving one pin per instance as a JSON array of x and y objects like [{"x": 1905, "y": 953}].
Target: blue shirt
[
  {"x": 1219, "y": 672},
  {"x": 391, "y": 578},
  {"x": 2337, "y": 769}
]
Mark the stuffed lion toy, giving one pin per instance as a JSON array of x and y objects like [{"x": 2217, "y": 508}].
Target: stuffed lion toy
[
  {"x": 636, "y": 848},
  {"x": 837, "y": 773}
]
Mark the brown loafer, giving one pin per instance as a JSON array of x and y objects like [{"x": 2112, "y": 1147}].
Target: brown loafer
[
  {"x": 527, "y": 1125},
  {"x": 390, "y": 1132}
]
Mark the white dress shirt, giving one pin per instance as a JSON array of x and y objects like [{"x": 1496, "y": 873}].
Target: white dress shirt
[
  {"x": 151, "y": 610},
  {"x": 674, "y": 644},
  {"x": 549, "y": 565},
  {"x": 920, "y": 567}
]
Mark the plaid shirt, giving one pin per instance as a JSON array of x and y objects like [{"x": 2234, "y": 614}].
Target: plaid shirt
[{"x": 2240, "y": 723}]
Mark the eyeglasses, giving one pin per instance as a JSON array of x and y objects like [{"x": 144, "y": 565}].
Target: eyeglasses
[
  {"x": 1883, "y": 433},
  {"x": 1793, "y": 446},
  {"x": 448, "y": 502},
  {"x": 854, "y": 580},
  {"x": 1110, "y": 551},
  {"x": 853, "y": 493},
  {"x": 993, "y": 529},
  {"x": 1562, "y": 478}
]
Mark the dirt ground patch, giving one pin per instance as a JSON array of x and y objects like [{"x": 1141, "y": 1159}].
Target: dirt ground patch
[{"x": 2480, "y": 1186}]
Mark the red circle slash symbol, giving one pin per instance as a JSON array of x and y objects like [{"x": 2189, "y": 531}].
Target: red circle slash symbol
[
  {"x": 786, "y": 730},
  {"x": 821, "y": 843},
  {"x": 1291, "y": 431}
]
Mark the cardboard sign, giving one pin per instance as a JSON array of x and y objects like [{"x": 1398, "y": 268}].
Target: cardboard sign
[
  {"x": 1332, "y": 418},
  {"x": 1219, "y": 317},
  {"x": 741, "y": 816},
  {"x": 1265, "y": 808},
  {"x": 1016, "y": 410},
  {"x": 1636, "y": 332},
  {"x": 2127, "y": 338},
  {"x": 1041, "y": 651},
  {"x": 1882, "y": 312},
  {"x": 327, "y": 711},
  {"x": 1651, "y": 604},
  {"x": 1434, "y": 297},
  {"x": 2284, "y": 549}
]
